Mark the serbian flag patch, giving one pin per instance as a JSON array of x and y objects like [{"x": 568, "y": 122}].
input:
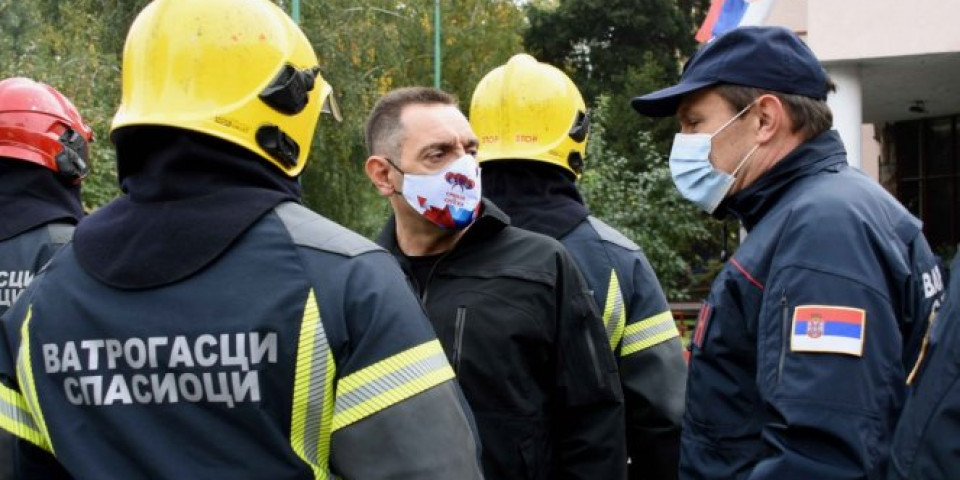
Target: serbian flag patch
[{"x": 828, "y": 329}]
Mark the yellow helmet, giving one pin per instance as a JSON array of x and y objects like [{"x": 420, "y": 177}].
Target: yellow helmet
[
  {"x": 239, "y": 70},
  {"x": 527, "y": 110}
]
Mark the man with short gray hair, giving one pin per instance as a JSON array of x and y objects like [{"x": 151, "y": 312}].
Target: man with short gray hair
[{"x": 514, "y": 316}]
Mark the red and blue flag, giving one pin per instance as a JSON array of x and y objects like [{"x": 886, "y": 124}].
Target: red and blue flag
[
  {"x": 725, "y": 15},
  {"x": 828, "y": 329}
]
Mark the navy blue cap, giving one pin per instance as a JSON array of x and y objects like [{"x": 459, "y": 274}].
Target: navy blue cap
[{"x": 769, "y": 58}]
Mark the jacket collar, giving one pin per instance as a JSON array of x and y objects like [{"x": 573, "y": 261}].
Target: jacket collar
[
  {"x": 490, "y": 222},
  {"x": 823, "y": 152},
  {"x": 537, "y": 196},
  {"x": 31, "y": 196},
  {"x": 188, "y": 197}
]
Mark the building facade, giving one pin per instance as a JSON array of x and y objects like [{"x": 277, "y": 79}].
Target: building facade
[{"x": 897, "y": 106}]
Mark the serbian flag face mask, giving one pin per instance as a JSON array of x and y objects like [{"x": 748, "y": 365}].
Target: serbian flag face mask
[{"x": 449, "y": 198}]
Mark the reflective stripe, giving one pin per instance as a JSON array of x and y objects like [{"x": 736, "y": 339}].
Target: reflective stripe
[
  {"x": 15, "y": 417},
  {"x": 25, "y": 378},
  {"x": 312, "y": 412},
  {"x": 390, "y": 381},
  {"x": 614, "y": 317},
  {"x": 648, "y": 332}
]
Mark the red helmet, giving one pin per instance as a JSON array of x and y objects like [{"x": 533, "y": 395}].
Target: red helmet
[{"x": 39, "y": 125}]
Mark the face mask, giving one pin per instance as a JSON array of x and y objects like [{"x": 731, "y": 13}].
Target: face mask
[
  {"x": 449, "y": 198},
  {"x": 693, "y": 174}
]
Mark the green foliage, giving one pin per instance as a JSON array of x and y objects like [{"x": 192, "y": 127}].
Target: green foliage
[
  {"x": 618, "y": 48},
  {"x": 646, "y": 207},
  {"x": 367, "y": 48},
  {"x": 622, "y": 122},
  {"x": 75, "y": 47},
  {"x": 615, "y": 49}
]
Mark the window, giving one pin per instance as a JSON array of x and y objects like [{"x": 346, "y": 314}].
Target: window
[{"x": 926, "y": 162}]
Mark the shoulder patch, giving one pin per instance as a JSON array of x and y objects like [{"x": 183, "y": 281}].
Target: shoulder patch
[
  {"x": 310, "y": 229},
  {"x": 609, "y": 234},
  {"x": 828, "y": 329}
]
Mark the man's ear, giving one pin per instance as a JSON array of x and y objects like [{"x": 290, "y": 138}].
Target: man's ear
[
  {"x": 773, "y": 117},
  {"x": 378, "y": 171}
]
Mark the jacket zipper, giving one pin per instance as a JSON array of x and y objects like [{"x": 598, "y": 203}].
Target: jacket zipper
[
  {"x": 458, "y": 328},
  {"x": 784, "y": 333},
  {"x": 593, "y": 359},
  {"x": 424, "y": 295}
]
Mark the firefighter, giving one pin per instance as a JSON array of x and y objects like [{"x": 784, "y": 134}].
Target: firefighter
[
  {"x": 206, "y": 324},
  {"x": 44, "y": 149},
  {"x": 533, "y": 127}
]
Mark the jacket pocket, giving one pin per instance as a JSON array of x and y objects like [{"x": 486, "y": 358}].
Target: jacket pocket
[
  {"x": 459, "y": 325},
  {"x": 703, "y": 325},
  {"x": 516, "y": 447},
  {"x": 594, "y": 337},
  {"x": 534, "y": 469},
  {"x": 784, "y": 334},
  {"x": 594, "y": 359}
]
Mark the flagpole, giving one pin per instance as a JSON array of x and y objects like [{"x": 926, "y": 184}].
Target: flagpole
[{"x": 436, "y": 44}]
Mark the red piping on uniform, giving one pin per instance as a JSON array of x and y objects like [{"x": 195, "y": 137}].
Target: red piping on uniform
[
  {"x": 701, "y": 325},
  {"x": 745, "y": 273}
]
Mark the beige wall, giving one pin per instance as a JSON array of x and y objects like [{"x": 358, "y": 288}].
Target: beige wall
[
  {"x": 861, "y": 29},
  {"x": 870, "y": 152},
  {"x": 848, "y": 31},
  {"x": 791, "y": 14}
]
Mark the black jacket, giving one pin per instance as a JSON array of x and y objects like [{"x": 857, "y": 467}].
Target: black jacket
[
  {"x": 645, "y": 340},
  {"x": 523, "y": 333},
  {"x": 543, "y": 198}
]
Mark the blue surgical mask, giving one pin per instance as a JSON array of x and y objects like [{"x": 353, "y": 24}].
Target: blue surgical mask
[{"x": 693, "y": 174}]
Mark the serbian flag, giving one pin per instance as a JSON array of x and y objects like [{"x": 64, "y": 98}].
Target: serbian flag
[
  {"x": 726, "y": 15},
  {"x": 828, "y": 329}
]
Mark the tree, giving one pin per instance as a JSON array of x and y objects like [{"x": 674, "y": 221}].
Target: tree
[
  {"x": 365, "y": 48},
  {"x": 646, "y": 207},
  {"x": 75, "y": 47},
  {"x": 618, "y": 48},
  {"x": 615, "y": 50}
]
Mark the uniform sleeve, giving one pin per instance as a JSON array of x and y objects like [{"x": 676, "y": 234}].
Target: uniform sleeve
[
  {"x": 592, "y": 443},
  {"x": 397, "y": 410},
  {"x": 927, "y": 440},
  {"x": 924, "y": 294},
  {"x": 653, "y": 374},
  {"x": 20, "y": 434},
  {"x": 830, "y": 375}
]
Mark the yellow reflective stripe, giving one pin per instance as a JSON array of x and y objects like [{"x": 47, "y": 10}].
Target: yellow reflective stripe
[
  {"x": 25, "y": 378},
  {"x": 614, "y": 315},
  {"x": 312, "y": 411},
  {"x": 15, "y": 417},
  {"x": 390, "y": 381},
  {"x": 648, "y": 332}
]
